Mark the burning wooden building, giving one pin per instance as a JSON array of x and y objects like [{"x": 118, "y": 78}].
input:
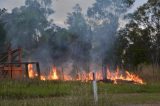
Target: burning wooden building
[{"x": 11, "y": 65}]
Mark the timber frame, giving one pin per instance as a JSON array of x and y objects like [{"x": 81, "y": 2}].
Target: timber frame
[{"x": 11, "y": 65}]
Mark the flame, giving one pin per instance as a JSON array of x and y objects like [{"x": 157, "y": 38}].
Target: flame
[
  {"x": 114, "y": 76},
  {"x": 43, "y": 78},
  {"x": 53, "y": 74},
  {"x": 31, "y": 73},
  {"x": 133, "y": 77},
  {"x": 85, "y": 77},
  {"x": 67, "y": 78}
]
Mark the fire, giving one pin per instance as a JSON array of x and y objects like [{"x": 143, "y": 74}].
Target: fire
[
  {"x": 114, "y": 76},
  {"x": 31, "y": 73},
  {"x": 133, "y": 77},
  {"x": 67, "y": 78},
  {"x": 53, "y": 74},
  {"x": 43, "y": 78}
]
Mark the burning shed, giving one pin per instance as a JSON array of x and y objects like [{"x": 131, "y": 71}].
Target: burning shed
[
  {"x": 11, "y": 70},
  {"x": 11, "y": 65}
]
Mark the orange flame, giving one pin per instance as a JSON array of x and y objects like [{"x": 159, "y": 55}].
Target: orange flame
[
  {"x": 133, "y": 77},
  {"x": 67, "y": 78},
  {"x": 114, "y": 76},
  {"x": 43, "y": 78},
  {"x": 31, "y": 73},
  {"x": 84, "y": 76},
  {"x": 53, "y": 74}
]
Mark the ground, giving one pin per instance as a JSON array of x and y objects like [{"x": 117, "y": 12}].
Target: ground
[{"x": 59, "y": 93}]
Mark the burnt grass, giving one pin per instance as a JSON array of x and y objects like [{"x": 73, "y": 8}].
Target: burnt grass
[{"x": 60, "y": 91}]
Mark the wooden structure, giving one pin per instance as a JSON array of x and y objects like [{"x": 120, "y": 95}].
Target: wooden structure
[
  {"x": 8, "y": 70},
  {"x": 11, "y": 65}
]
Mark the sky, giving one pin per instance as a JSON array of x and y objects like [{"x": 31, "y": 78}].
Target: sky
[{"x": 61, "y": 7}]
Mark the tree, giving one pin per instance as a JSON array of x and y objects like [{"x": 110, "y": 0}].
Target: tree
[
  {"x": 144, "y": 32},
  {"x": 81, "y": 46},
  {"x": 2, "y": 31},
  {"x": 59, "y": 43},
  {"x": 133, "y": 46},
  {"x": 2, "y": 11},
  {"x": 148, "y": 16},
  {"x": 104, "y": 18},
  {"x": 26, "y": 26}
]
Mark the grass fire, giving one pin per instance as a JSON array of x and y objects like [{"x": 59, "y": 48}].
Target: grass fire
[
  {"x": 85, "y": 77},
  {"x": 79, "y": 52}
]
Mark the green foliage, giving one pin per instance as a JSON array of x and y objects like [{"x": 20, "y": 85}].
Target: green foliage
[
  {"x": 2, "y": 31},
  {"x": 2, "y": 34},
  {"x": 132, "y": 46},
  {"x": 139, "y": 40},
  {"x": 26, "y": 26}
]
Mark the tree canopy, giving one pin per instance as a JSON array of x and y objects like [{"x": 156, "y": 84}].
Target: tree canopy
[
  {"x": 26, "y": 26},
  {"x": 2, "y": 31},
  {"x": 139, "y": 41},
  {"x": 104, "y": 18}
]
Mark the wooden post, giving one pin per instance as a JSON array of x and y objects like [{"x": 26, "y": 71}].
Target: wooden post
[
  {"x": 26, "y": 67},
  {"x": 38, "y": 70}
]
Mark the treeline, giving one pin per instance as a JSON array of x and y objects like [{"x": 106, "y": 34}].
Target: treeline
[
  {"x": 95, "y": 37},
  {"x": 139, "y": 41}
]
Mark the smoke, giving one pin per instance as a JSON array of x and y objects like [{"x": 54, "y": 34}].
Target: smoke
[
  {"x": 43, "y": 56},
  {"x": 27, "y": 27},
  {"x": 104, "y": 19},
  {"x": 88, "y": 39}
]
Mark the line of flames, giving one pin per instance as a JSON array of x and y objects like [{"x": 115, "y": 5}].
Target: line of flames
[{"x": 83, "y": 76}]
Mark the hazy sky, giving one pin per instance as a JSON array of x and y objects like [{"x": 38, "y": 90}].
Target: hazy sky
[{"x": 62, "y": 7}]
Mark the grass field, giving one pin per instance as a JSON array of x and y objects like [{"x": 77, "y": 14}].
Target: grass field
[{"x": 57, "y": 93}]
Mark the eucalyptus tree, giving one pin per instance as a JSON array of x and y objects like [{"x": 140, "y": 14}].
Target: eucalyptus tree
[
  {"x": 148, "y": 17},
  {"x": 81, "y": 45},
  {"x": 142, "y": 36},
  {"x": 2, "y": 11},
  {"x": 59, "y": 43},
  {"x": 2, "y": 31},
  {"x": 133, "y": 47},
  {"x": 26, "y": 26},
  {"x": 104, "y": 16}
]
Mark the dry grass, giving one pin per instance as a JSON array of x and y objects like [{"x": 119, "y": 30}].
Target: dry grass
[{"x": 150, "y": 73}]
